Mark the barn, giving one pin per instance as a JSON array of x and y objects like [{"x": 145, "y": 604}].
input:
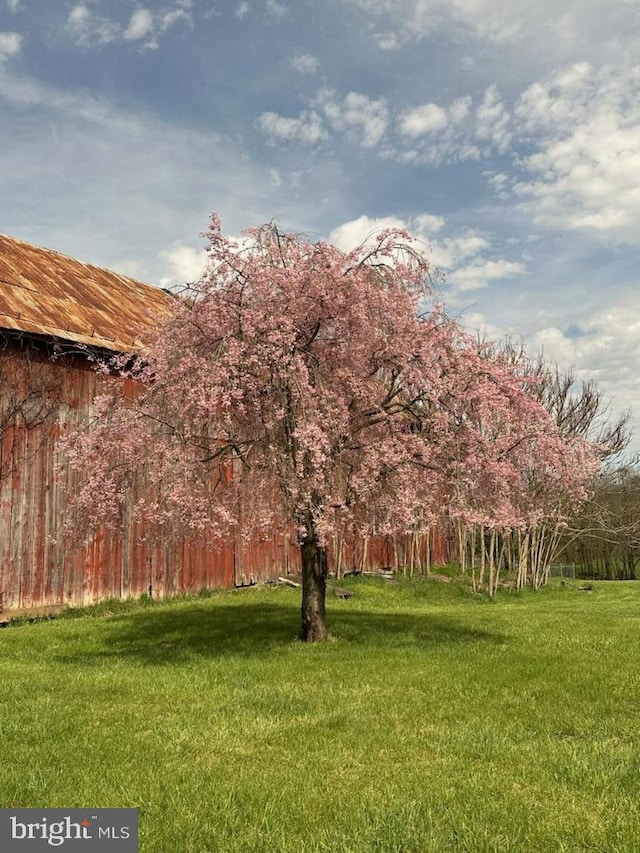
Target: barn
[{"x": 57, "y": 314}]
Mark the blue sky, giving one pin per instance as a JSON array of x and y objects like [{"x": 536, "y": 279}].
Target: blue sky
[{"x": 505, "y": 134}]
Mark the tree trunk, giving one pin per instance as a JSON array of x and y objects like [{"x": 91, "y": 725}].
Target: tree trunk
[{"x": 314, "y": 590}]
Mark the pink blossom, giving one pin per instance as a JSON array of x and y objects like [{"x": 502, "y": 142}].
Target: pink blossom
[{"x": 294, "y": 379}]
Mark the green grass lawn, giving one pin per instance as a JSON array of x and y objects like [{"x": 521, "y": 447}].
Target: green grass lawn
[{"x": 434, "y": 720}]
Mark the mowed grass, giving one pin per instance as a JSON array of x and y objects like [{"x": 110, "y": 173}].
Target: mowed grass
[{"x": 434, "y": 720}]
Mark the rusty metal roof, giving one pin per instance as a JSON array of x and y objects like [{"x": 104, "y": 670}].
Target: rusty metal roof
[{"x": 45, "y": 293}]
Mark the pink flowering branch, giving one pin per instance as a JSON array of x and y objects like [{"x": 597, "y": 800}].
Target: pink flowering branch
[{"x": 294, "y": 379}]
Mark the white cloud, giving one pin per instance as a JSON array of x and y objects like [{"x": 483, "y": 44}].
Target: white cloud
[
  {"x": 387, "y": 41},
  {"x": 581, "y": 125},
  {"x": 606, "y": 348},
  {"x": 10, "y": 45},
  {"x": 363, "y": 118},
  {"x": 428, "y": 133},
  {"x": 88, "y": 28},
  {"x": 459, "y": 110},
  {"x": 563, "y": 98},
  {"x": 307, "y": 128},
  {"x": 500, "y": 22},
  {"x": 450, "y": 252},
  {"x": 14, "y": 5},
  {"x": 498, "y": 181},
  {"x": 304, "y": 63},
  {"x": 480, "y": 273},
  {"x": 140, "y": 25},
  {"x": 462, "y": 258},
  {"x": 545, "y": 30},
  {"x": 275, "y": 10},
  {"x": 276, "y": 178},
  {"x": 79, "y": 15},
  {"x": 355, "y": 233},
  {"x": 466, "y": 259},
  {"x": 476, "y": 323},
  {"x": 427, "y": 223},
  {"x": 446, "y": 253},
  {"x": 242, "y": 10},
  {"x": 492, "y": 120},
  {"x": 186, "y": 265},
  {"x": 431, "y": 134},
  {"x": 419, "y": 121},
  {"x": 583, "y": 173},
  {"x": 168, "y": 19}
]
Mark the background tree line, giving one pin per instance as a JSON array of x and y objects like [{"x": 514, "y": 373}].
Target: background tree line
[{"x": 596, "y": 538}]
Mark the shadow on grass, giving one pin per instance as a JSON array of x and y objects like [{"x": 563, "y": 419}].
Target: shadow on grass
[{"x": 254, "y": 629}]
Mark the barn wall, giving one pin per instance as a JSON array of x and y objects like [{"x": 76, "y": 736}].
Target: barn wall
[{"x": 38, "y": 567}]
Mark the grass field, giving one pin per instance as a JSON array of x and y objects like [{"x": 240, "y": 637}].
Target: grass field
[{"x": 434, "y": 720}]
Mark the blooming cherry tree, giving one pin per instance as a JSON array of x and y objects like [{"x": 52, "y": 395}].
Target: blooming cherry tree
[{"x": 296, "y": 384}]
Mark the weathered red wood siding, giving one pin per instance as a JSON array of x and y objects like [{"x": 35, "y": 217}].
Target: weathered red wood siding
[{"x": 37, "y": 566}]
